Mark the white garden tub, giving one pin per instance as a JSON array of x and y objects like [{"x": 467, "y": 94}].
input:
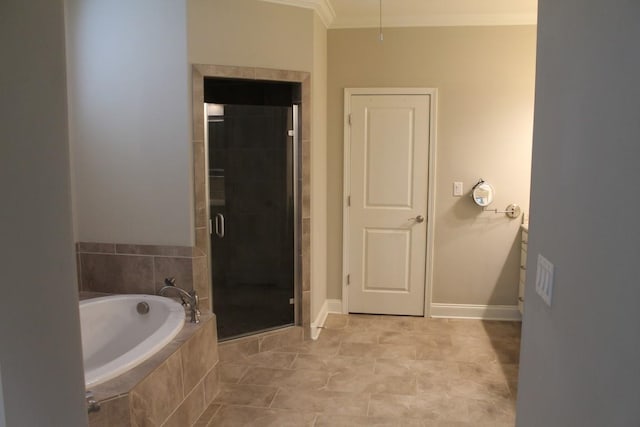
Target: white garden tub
[{"x": 116, "y": 337}]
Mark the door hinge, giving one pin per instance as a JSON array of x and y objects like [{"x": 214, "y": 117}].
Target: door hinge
[
  {"x": 210, "y": 226},
  {"x": 348, "y": 279},
  {"x": 349, "y": 118},
  {"x": 348, "y": 200},
  {"x": 290, "y": 132}
]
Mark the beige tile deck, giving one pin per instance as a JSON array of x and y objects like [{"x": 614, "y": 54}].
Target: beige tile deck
[{"x": 377, "y": 371}]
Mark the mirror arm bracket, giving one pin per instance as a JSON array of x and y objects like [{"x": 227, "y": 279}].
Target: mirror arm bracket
[
  {"x": 477, "y": 184},
  {"x": 512, "y": 211}
]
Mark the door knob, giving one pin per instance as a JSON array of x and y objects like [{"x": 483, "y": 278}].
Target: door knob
[{"x": 418, "y": 219}]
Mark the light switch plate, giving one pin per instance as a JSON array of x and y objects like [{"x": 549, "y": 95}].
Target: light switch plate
[
  {"x": 544, "y": 279},
  {"x": 457, "y": 188}
]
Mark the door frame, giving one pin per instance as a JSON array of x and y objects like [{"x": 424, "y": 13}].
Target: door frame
[
  {"x": 431, "y": 196},
  {"x": 200, "y": 206}
]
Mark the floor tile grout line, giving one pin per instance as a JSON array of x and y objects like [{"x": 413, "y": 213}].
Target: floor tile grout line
[
  {"x": 241, "y": 405},
  {"x": 210, "y": 422},
  {"x": 274, "y": 397},
  {"x": 246, "y": 371},
  {"x": 293, "y": 361},
  {"x": 216, "y": 412}
]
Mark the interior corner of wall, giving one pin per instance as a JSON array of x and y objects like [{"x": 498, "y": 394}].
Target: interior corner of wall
[
  {"x": 318, "y": 319},
  {"x": 3, "y": 421},
  {"x": 191, "y": 207}
]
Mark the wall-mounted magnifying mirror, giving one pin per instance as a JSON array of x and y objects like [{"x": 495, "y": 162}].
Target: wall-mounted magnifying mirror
[{"x": 482, "y": 193}]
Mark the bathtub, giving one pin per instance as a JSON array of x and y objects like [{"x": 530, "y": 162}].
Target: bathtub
[{"x": 116, "y": 338}]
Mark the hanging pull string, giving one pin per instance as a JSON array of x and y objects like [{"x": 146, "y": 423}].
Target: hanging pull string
[{"x": 380, "y": 28}]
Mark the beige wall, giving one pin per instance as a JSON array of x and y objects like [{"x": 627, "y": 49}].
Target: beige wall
[
  {"x": 129, "y": 121},
  {"x": 485, "y": 82},
  {"x": 319, "y": 169},
  {"x": 40, "y": 349},
  {"x": 579, "y": 358},
  {"x": 250, "y": 33}
]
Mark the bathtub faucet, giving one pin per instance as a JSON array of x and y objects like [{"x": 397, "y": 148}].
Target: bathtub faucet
[{"x": 189, "y": 299}]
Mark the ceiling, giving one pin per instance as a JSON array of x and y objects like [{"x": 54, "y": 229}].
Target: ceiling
[{"x": 419, "y": 13}]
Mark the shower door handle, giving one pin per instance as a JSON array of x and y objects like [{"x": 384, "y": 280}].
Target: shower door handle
[{"x": 220, "y": 225}]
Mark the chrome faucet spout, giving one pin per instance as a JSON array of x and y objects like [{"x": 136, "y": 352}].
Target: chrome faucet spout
[{"x": 189, "y": 299}]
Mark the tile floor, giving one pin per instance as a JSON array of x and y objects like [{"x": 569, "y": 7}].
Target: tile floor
[{"x": 377, "y": 371}]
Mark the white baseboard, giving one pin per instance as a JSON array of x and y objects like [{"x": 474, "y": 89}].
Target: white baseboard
[
  {"x": 471, "y": 311},
  {"x": 329, "y": 306},
  {"x": 335, "y": 305},
  {"x": 316, "y": 325}
]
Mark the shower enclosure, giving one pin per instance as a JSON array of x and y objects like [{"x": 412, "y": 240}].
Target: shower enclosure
[{"x": 252, "y": 133}]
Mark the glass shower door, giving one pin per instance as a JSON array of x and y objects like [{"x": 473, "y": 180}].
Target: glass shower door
[{"x": 252, "y": 211}]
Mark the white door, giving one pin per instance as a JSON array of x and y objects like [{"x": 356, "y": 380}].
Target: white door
[{"x": 387, "y": 212}]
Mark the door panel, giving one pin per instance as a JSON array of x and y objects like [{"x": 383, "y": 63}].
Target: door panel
[
  {"x": 388, "y": 183},
  {"x": 388, "y": 167},
  {"x": 382, "y": 272},
  {"x": 252, "y": 211}
]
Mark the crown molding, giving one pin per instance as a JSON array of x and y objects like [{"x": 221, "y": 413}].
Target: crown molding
[
  {"x": 323, "y": 8},
  {"x": 440, "y": 20},
  {"x": 327, "y": 15}
]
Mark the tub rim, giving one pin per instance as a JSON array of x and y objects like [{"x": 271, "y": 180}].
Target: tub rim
[{"x": 152, "y": 344}]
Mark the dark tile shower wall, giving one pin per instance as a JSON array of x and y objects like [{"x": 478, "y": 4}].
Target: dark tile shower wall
[
  {"x": 256, "y": 201},
  {"x": 251, "y": 184},
  {"x": 200, "y": 72}
]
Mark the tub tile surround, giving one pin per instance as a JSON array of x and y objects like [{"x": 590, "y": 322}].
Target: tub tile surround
[
  {"x": 199, "y": 362},
  {"x": 199, "y": 72},
  {"x": 113, "y": 412},
  {"x": 141, "y": 269},
  {"x": 152, "y": 401},
  {"x": 177, "y": 385},
  {"x": 172, "y": 388}
]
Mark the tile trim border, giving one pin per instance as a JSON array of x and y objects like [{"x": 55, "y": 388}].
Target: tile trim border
[
  {"x": 185, "y": 262},
  {"x": 198, "y": 73}
]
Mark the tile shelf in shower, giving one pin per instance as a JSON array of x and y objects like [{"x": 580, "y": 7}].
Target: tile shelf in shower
[{"x": 216, "y": 173}]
